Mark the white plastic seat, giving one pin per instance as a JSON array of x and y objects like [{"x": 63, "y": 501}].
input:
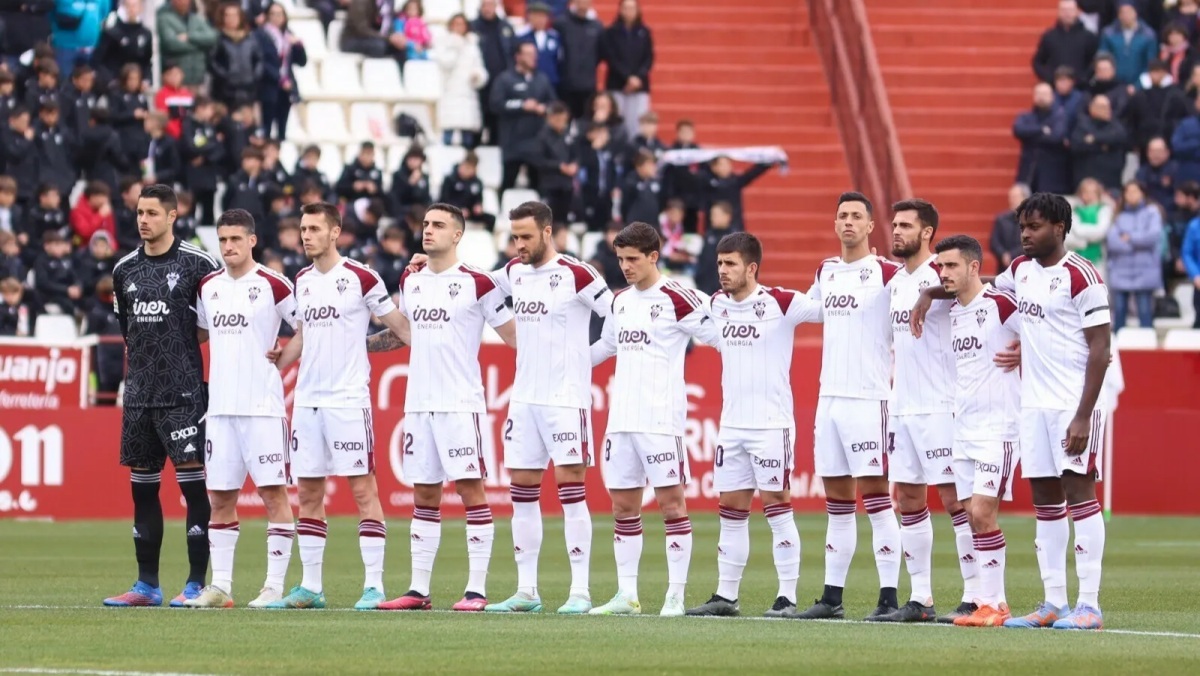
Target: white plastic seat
[
  {"x": 423, "y": 80},
  {"x": 340, "y": 78},
  {"x": 573, "y": 243},
  {"x": 477, "y": 248},
  {"x": 207, "y": 234},
  {"x": 395, "y": 156},
  {"x": 1137, "y": 338},
  {"x": 370, "y": 121},
  {"x": 440, "y": 160},
  {"x": 1184, "y": 340},
  {"x": 421, "y": 113},
  {"x": 307, "y": 82},
  {"x": 440, "y": 11},
  {"x": 516, "y": 196},
  {"x": 326, "y": 121},
  {"x": 334, "y": 38},
  {"x": 491, "y": 169},
  {"x": 331, "y": 163},
  {"x": 693, "y": 244},
  {"x": 437, "y": 36},
  {"x": 1184, "y": 293},
  {"x": 57, "y": 328},
  {"x": 381, "y": 80},
  {"x": 312, "y": 35},
  {"x": 588, "y": 245},
  {"x": 289, "y": 154},
  {"x": 295, "y": 128},
  {"x": 491, "y": 201}
]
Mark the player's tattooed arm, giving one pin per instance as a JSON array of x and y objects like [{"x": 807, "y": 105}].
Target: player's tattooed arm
[
  {"x": 397, "y": 335},
  {"x": 383, "y": 341}
]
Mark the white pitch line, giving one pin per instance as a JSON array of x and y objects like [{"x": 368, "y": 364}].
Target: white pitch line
[
  {"x": 854, "y": 623},
  {"x": 90, "y": 672}
]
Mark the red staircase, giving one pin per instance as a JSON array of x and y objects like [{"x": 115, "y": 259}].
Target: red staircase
[
  {"x": 957, "y": 72},
  {"x": 751, "y": 76}
]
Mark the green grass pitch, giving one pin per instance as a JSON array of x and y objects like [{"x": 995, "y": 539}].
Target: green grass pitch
[{"x": 53, "y": 577}]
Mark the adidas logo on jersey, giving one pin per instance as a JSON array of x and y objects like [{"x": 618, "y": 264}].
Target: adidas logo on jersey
[
  {"x": 474, "y": 540},
  {"x": 132, "y": 287},
  {"x": 471, "y": 467},
  {"x": 416, "y": 289},
  {"x": 276, "y": 553},
  {"x": 1077, "y": 460},
  {"x": 621, "y": 311},
  {"x": 575, "y": 552},
  {"x": 672, "y": 475},
  {"x": 675, "y": 547},
  {"x": 774, "y": 481},
  {"x": 280, "y": 475},
  {"x": 991, "y": 485},
  {"x": 307, "y": 291},
  {"x": 786, "y": 544},
  {"x": 214, "y": 296},
  {"x": 572, "y": 453},
  {"x": 195, "y": 531},
  {"x": 949, "y": 471},
  {"x": 358, "y": 464},
  {"x": 884, "y": 551},
  {"x": 968, "y": 558},
  {"x": 189, "y": 449},
  {"x": 874, "y": 462},
  {"x": 725, "y": 313},
  {"x": 992, "y": 564}
]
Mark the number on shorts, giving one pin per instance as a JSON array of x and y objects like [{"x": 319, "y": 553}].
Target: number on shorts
[
  {"x": 208, "y": 450},
  {"x": 508, "y": 430},
  {"x": 408, "y": 441},
  {"x": 607, "y": 449},
  {"x": 720, "y": 456},
  {"x": 891, "y": 442},
  {"x": 295, "y": 442}
]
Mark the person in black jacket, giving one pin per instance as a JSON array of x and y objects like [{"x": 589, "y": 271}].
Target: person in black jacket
[
  {"x": 26, "y": 24},
  {"x": 580, "y": 35},
  {"x": 246, "y": 188},
  {"x": 11, "y": 214},
  {"x": 20, "y": 160},
  {"x": 240, "y": 130},
  {"x": 390, "y": 258},
  {"x": 647, "y": 137},
  {"x": 628, "y": 49},
  {"x": 54, "y": 277},
  {"x": 410, "y": 183},
  {"x": 203, "y": 154},
  {"x": 597, "y": 177},
  {"x": 45, "y": 86},
  {"x": 555, "y": 162},
  {"x": 56, "y": 150},
  {"x": 680, "y": 180},
  {"x": 102, "y": 320},
  {"x": 1104, "y": 82},
  {"x": 463, "y": 189},
  {"x": 162, "y": 163},
  {"x": 519, "y": 97},
  {"x": 641, "y": 191},
  {"x": 100, "y": 152},
  {"x": 719, "y": 183},
  {"x": 496, "y": 45},
  {"x": 94, "y": 261},
  {"x": 125, "y": 215},
  {"x": 272, "y": 169},
  {"x": 17, "y": 311},
  {"x": 8, "y": 94},
  {"x": 289, "y": 247},
  {"x": 11, "y": 264},
  {"x": 185, "y": 222},
  {"x": 1005, "y": 241},
  {"x": 124, "y": 41},
  {"x": 361, "y": 178},
  {"x": 720, "y": 223},
  {"x": 1098, "y": 145},
  {"x": 1045, "y": 162},
  {"x": 306, "y": 172},
  {"x": 128, "y": 107},
  {"x": 1155, "y": 110},
  {"x": 236, "y": 63},
  {"x": 79, "y": 99},
  {"x": 281, "y": 52},
  {"x": 45, "y": 216},
  {"x": 1067, "y": 43}
]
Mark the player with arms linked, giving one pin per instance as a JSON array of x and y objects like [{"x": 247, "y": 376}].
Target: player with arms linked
[
  {"x": 242, "y": 308},
  {"x": 154, "y": 291},
  {"x": 754, "y": 328},
  {"x": 332, "y": 432},
  {"x": 1065, "y": 342},
  {"x": 648, "y": 329}
]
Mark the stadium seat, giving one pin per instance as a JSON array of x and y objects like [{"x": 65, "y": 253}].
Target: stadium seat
[
  {"x": 423, "y": 81},
  {"x": 588, "y": 245},
  {"x": 307, "y": 82},
  {"x": 439, "y": 160},
  {"x": 335, "y": 35},
  {"x": 1137, "y": 338},
  {"x": 437, "y": 35},
  {"x": 440, "y": 11},
  {"x": 326, "y": 121},
  {"x": 477, "y": 248},
  {"x": 573, "y": 243},
  {"x": 471, "y": 7},
  {"x": 207, "y": 234},
  {"x": 693, "y": 244},
  {"x": 56, "y": 328},
  {"x": 331, "y": 163},
  {"x": 295, "y": 130},
  {"x": 491, "y": 201},
  {"x": 289, "y": 154},
  {"x": 370, "y": 121},
  {"x": 312, "y": 35},
  {"x": 1184, "y": 294},
  {"x": 515, "y": 196},
  {"x": 491, "y": 170},
  {"x": 421, "y": 113},
  {"x": 381, "y": 80},
  {"x": 395, "y": 156},
  {"x": 340, "y": 78},
  {"x": 1183, "y": 340}
]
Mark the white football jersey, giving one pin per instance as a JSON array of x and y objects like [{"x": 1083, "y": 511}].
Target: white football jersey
[
  {"x": 756, "y": 337},
  {"x": 242, "y": 317},
  {"x": 334, "y": 312},
  {"x": 446, "y": 311},
  {"x": 923, "y": 381},
  {"x": 987, "y": 399},
  {"x": 553, "y": 305},
  {"x": 1056, "y": 304},
  {"x": 649, "y": 331},
  {"x": 856, "y": 359}
]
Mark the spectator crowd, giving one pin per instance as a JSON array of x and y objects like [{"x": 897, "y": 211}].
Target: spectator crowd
[{"x": 1115, "y": 125}]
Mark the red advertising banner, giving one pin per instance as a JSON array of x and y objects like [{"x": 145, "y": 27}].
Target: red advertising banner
[
  {"x": 62, "y": 464},
  {"x": 39, "y": 377}
]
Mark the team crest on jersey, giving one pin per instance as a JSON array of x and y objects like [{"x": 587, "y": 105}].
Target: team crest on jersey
[
  {"x": 1054, "y": 284},
  {"x": 342, "y": 284},
  {"x": 864, "y": 274},
  {"x": 172, "y": 280},
  {"x": 923, "y": 285},
  {"x": 760, "y": 309},
  {"x": 655, "y": 311},
  {"x": 253, "y": 293},
  {"x": 454, "y": 289},
  {"x": 554, "y": 280},
  {"x": 981, "y": 316}
]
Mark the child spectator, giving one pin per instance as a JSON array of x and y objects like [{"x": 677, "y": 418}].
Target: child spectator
[
  {"x": 410, "y": 183},
  {"x": 723, "y": 185},
  {"x": 647, "y": 136},
  {"x": 463, "y": 189},
  {"x": 17, "y": 313},
  {"x": 79, "y": 99},
  {"x": 390, "y": 259},
  {"x": 680, "y": 181},
  {"x": 93, "y": 212},
  {"x": 45, "y": 87},
  {"x": 56, "y": 149},
  {"x": 241, "y": 130},
  {"x": 125, "y": 215},
  {"x": 54, "y": 277},
  {"x": 675, "y": 256},
  {"x": 11, "y": 215},
  {"x": 412, "y": 26},
  {"x": 101, "y": 157},
  {"x": 272, "y": 170},
  {"x": 174, "y": 99},
  {"x": 185, "y": 221},
  {"x": 306, "y": 171},
  {"x": 8, "y": 95},
  {"x": 203, "y": 154},
  {"x": 597, "y": 177},
  {"x": 20, "y": 159},
  {"x": 554, "y": 159},
  {"x": 291, "y": 253},
  {"x": 128, "y": 107},
  {"x": 46, "y": 216},
  {"x": 361, "y": 178},
  {"x": 11, "y": 264},
  {"x": 110, "y": 356},
  {"x": 605, "y": 258},
  {"x": 560, "y": 235},
  {"x": 641, "y": 193},
  {"x": 95, "y": 261},
  {"x": 720, "y": 223},
  {"x": 162, "y": 163},
  {"x": 244, "y": 189}
]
